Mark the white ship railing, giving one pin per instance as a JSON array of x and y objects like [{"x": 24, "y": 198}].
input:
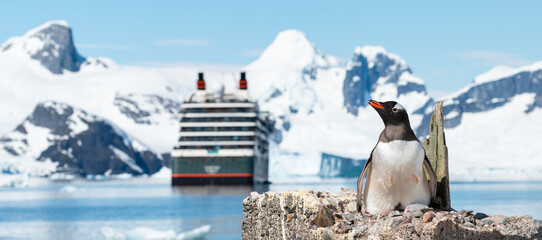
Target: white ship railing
[
  {"x": 217, "y": 114},
  {"x": 206, "y": 153},
  {"x": 218, "y": 105},
  {"x": 207, "y": 134}
]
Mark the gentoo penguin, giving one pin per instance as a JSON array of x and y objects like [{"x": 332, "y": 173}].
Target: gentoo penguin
[{"x": 395, "y": 168}]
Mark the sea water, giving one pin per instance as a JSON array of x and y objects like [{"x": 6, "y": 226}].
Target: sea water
[{"x": 139, "y": 208}]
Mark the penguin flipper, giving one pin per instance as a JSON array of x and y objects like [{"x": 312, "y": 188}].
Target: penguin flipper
[
  {"x": 360, "y": 190},
  {"x": 432, "y": 178}
]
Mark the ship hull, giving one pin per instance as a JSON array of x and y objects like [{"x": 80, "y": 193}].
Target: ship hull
[
  {"x": 213, "y": 171},
  {"x": 190, "y": 181}
]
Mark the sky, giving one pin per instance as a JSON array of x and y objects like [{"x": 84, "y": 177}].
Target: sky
[{"x": 447, "y": 44}]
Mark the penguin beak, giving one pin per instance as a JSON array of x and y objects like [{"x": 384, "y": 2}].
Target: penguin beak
[{"x": 375, "y": 104}]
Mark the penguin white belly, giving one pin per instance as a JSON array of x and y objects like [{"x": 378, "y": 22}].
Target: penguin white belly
[{"x": 396, "y": 178}]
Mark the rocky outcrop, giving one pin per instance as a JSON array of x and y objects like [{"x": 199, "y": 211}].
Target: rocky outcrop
[
  {"x": 325, "y": 215},
  {"x": 80, "y": 143},
  {"x": 52, "y": 45},
  {"x": 58, "y": 52}
]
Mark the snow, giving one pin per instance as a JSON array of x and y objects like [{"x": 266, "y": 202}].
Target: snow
[
  {"x": 355, "y": 79},
  {"x": 372, "y": 52},
  {"x": 494, "y": 74},
  {"x": 126, "y": 159},
  {"x": 21, "y": 47},
  {"x": 452, "y": 114},
  {"x": 76, "y": 123},
  {"x": 149, "y": 233},
  {"x": 46, "y": 25},
  {"x": 95, "y": 92},
  {"x": 497, "y": 145},
  {"x": 37, "y": 138},
  {"x": 292, "y": 48},
  {"x": 138, "y": 146},
  {"x": 407, "y": 77},
  {"x": 500, "y": 72},
  {"x": 13, "y": 180},
  {"x": 164, "y": 173},
  {"x": 25, "y": 166}
]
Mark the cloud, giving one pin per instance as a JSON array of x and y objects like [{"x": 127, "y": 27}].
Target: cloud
[
  {"x": 103, "y": 46},
  {"x": 251, "y": 53},
  {"x": 182, "y": 42},
  {"x": 492, "y": 59}
]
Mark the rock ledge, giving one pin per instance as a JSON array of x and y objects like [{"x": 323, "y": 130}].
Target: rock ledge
[{"x": 325, "y": 215}]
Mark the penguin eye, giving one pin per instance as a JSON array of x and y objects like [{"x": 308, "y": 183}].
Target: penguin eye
[{"x": 394, "y": 109}]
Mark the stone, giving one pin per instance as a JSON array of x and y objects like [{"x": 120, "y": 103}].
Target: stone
[
  {"x": 428, "y": 216},
  {"x": 341, "y": 227},
  {"x": 497, "y": 219},
  {"x": 394, "y": 213},
  {"x": 349, "y": 217},
  {"x": 480, "y": 216},
  {"x": 395, "y": 221}
]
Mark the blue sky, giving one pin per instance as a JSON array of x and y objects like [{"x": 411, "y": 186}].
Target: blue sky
[{"x": 445, "y": 44}]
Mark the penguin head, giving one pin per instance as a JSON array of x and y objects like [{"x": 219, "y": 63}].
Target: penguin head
[{"x": 391, "y": 112}]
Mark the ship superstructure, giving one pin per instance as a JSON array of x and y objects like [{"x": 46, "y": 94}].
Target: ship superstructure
[{"x": 223, "y": 139}]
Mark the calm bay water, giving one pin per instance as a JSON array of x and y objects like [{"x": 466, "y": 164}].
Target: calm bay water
[{"x": 93, "y": 209}]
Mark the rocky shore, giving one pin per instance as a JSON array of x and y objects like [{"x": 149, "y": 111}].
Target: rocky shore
[{"x": 325, "y": 215}]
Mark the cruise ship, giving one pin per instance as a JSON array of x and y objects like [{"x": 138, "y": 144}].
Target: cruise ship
[{"x": 223, "y": 139}]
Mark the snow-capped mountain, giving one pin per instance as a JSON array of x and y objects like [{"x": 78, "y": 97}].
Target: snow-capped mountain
[
  {"x": 377, "y": 74},
  {"x": 318, "y": 100},
  {"x": 493, "y": 125},
  {"x": 288, "y": 76},
  {"x": 75, "y": 143},
  {"x": 50, "y": 45}
]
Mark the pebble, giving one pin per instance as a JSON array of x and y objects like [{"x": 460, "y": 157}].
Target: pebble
[
  {"x": 349, "y": 217},
  {"x": 480, "y": 216},
  {"x": 428, "y": 216},
  {"x": 395, "y": 221},
  {"x": 394, "y": 213}
]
